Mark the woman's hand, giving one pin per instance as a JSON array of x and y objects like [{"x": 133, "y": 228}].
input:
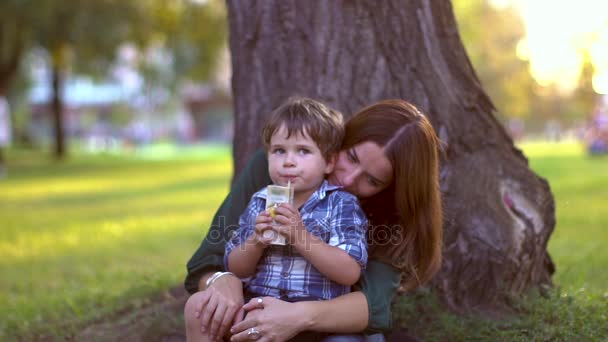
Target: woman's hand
[
  {"x": 274, "y": 319},
  {"x": 220, "y": 306},
  {"x": 288, "y": 223}
]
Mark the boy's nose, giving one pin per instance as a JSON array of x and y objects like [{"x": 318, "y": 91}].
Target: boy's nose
[{"x": 289, "y": 159}]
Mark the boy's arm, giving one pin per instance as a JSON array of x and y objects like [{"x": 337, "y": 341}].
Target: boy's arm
[
  {"x": 244, "y": 249},
  {"x": 209, "y": 255},
  {"x": 331, "y": 261},
  {"x": 243, "y": 259},
  {"x": 348, "y": 236},
  {"x": 346, "y": 254}
]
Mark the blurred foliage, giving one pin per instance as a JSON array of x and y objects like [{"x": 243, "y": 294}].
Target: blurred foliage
[
  {"x": 83, "y": 36},
  {"x": 195, "y": 33},
  {"x": 491, "y": 35},
  {"x": 173, "y": 40},
  {"x": 181, "y": 39},
  {"x": 584, "y": 97}
]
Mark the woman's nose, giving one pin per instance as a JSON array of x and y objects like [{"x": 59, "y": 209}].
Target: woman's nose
[{"x": 350, "y": 178}]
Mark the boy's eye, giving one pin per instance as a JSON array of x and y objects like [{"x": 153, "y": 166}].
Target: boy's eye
[
  {"x": 303, "y": 151},
  {"x": 278, "y": 150}
]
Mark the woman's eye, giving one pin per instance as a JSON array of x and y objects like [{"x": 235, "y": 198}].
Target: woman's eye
[
  {"x": 351, "y": 156},
  {"x": 373, "y": 182}
]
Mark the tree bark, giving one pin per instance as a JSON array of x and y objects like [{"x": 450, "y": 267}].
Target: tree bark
[
  {"x": 11, "y": 51},
  {"x": 498, "y": 213}
]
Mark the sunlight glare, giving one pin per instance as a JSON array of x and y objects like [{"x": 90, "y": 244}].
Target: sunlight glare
[
  {"x": 599, "y": 55},
  {"x": 557, "y": 32}
]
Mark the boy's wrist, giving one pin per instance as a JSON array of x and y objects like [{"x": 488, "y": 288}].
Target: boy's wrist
[
  {"x": 256, "y": 241},
  {"x": 303, "y": 242}
]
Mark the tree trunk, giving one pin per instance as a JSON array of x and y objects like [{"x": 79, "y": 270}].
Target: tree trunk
[
  {"x": 7, "y": 74},
  {"x": 498, "y": 213},
  {"x": 11, "y": 50},
  {"x": 59, "y": 150}
]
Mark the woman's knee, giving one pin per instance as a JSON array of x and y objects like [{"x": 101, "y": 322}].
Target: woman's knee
[
  {"x": 193, "y": 324},
  {"x": 191, "y": 307}
]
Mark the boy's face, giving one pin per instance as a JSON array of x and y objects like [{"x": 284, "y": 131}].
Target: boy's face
[{"x": 297, "y": 159}]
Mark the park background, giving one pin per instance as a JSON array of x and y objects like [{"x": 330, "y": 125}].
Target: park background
[{"x": 96, "y": 229}]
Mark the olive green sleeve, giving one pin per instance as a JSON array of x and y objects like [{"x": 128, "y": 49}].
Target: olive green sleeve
[
  {"x": 210, "y": 254},
  {"x": 379, "y": 283}
]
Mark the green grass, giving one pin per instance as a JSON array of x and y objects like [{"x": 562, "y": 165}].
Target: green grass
[
  {"x": 87, "y": 237},
  {"x": 577, "y": 308},
  {"x": 92, "y": 235},
  {"x": 579, "y": 183}
]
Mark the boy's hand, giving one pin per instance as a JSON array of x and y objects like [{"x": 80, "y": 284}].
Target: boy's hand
[
  {"x": 263, "y": 223},
  {"x": 288, "y": 223}
]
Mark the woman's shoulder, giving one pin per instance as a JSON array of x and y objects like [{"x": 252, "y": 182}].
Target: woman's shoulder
[{"x": 341, "y": 195}]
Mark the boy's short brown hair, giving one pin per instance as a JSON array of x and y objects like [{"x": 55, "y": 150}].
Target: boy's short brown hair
[{"x": 302, "y": 115}]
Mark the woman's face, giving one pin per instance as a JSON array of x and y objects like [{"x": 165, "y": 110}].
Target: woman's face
[{"x": 363, "y": 170}]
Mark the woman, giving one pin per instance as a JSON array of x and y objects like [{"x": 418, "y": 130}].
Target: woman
[{"x": 389, "y": 159}]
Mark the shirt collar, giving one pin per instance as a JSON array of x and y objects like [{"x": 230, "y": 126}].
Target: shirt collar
[{"x": 320, "y": 193}]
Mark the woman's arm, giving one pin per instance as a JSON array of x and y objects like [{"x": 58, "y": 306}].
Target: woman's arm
[
  {"x": 345, "y": 314},
  {"x": 280, "y": 320},
  {"x": 209, "y": 256},
  {"x": 379, "y": 284},
  {"x": 367, "y": 310}
]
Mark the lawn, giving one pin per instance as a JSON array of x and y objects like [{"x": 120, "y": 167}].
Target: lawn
[
  {"x": 577, "y": 308},
  {"x": 93, "y": 235}
]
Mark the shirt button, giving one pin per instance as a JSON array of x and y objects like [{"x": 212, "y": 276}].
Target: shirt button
[{"x": 284, "y": 274}]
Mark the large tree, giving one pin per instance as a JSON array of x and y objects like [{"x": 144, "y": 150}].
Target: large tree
[{"x": 498, "y": 213}]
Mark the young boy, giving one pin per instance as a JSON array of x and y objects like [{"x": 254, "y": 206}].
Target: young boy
[{"x": 325, "y": 229}]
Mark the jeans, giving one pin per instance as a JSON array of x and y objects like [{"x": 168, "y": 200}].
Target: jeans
[{"x": 354, "y": 338}]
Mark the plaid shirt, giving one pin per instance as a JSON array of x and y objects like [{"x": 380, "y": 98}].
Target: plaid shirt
[{"x": 331, "y": 214}]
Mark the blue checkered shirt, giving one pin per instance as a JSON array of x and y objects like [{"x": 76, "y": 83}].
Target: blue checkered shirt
[{"x": 331, "y": 214}]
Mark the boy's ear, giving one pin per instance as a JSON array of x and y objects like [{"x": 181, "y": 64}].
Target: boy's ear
[{"x": 331, "y": 162}]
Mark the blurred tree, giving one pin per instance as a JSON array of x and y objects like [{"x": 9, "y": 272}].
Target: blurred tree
[
  {"x": 554, "y": 105},
  {"x": 78, "y": 34},
  {"x": 175, "y": 50},
  {"x": 12, "y": 48},
  {"x": 13, "y": 38},
  {"x": 584, "y": 97},
  {"x": 491, "y": 36},
  {"x": 83, "y": 36},
  {"x": 195, "y": 37},
  {"x": 498, "y": 213}
]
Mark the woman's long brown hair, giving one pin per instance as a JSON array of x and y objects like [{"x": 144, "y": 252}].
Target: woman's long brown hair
[{"x": 406, "y": 219}]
